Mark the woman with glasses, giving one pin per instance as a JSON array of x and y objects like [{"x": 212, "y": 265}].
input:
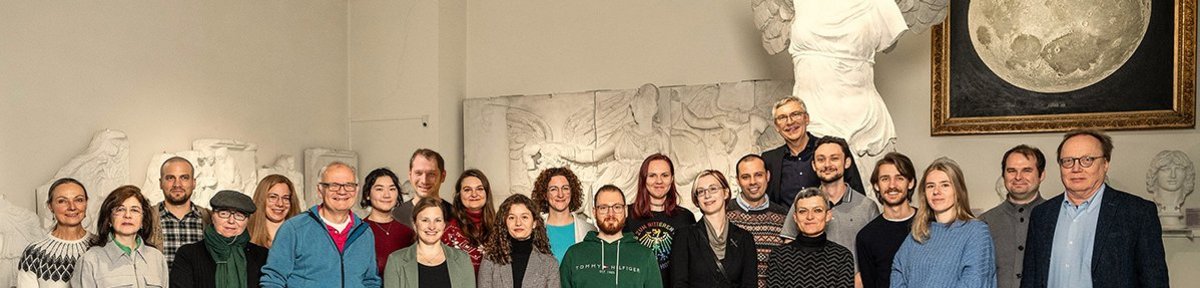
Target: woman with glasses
[
  {"x": 655, "y": 214},
  {"x": 381, "y": 196},
  {"x": 713, "y": 253},
  {"x": 948, "y": 247},
  {"x": 520, "y": 255},
  {"x": 225, "y": 258},
  {"x": 557, "y": 195},
  {"x": 124, "y": 253},
  {"x": 49, "y": 263},
  {"x": 429, "y": 263},
  {"x": 276, "y": 198},
  {"x": 472, "y": 215}
]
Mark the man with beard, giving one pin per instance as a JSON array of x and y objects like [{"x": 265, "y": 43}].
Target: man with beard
[
  {"x": 1023, "y": 168},
  {"x": 426, "y": 172},
  {"x": 893, "y": 180},
  {"x": 791, "y": 164},
  {"x": 851, "y": 209},
  {"x": 182, "y": 222},
  {"x": 326, "y": 246},
  {"x": 753, "y": 211},
  {"x": 609, "y": 258}
]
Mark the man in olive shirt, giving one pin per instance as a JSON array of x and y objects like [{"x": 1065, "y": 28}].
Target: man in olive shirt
[{"x": 1023, "y": 168}]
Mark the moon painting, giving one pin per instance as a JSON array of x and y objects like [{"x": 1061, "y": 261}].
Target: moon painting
[{"x": 1056, "y": 46}]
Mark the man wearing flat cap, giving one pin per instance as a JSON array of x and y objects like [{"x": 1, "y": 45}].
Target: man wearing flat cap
[{"x": 225, "y": 257}]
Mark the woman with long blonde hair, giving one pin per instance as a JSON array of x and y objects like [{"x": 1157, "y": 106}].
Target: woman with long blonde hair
[
  {"x": 276, "y": 198},
  {"x": 948, "y": 247}
]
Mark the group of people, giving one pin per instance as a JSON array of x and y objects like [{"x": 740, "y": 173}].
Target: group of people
[{"x": 801, "y": 219}]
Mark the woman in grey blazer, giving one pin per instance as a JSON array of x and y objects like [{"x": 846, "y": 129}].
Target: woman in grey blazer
[{"x": 520, "y": 257}]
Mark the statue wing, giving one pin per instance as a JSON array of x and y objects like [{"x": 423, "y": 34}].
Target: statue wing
[
  {"x": 774, "y": 19},
  {"x": 525, "y": 128},
  {"x": 922, "y": 14}
]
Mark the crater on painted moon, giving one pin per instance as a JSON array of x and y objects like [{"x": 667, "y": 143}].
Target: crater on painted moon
[{"x": 1056, "y": 46}]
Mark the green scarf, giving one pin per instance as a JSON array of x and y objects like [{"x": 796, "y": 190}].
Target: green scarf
[{"x": 230, "y": 255}]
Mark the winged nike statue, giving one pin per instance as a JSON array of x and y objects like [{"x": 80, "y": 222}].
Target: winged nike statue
[{"x": 833, "y": 45}]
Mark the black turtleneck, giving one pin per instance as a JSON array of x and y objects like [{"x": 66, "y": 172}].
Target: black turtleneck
[
  {"x": 810, "y": 244},
  {"x": 520, "y": 259}
]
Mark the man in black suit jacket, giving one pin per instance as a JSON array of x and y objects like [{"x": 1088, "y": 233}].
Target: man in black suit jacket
[
  {"x": 790, "y": 165},
  {"x": 1126, "y": 249}
]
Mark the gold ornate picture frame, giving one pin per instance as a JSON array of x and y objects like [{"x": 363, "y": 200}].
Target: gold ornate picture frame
[{"x": 1153, "y": 89}]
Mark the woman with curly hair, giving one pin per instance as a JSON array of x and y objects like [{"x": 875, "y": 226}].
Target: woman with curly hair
[
  {"x": 471, "y": 216},
  {"x": 557, "y": 193},
  {"x": 520, "y": 255}
]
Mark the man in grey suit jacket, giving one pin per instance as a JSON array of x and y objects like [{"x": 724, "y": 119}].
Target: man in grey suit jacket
[{"x": 1093, "y": 235}]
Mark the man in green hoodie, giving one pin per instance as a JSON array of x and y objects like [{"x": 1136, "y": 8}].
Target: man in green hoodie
[{"x": 609, "y": 258}]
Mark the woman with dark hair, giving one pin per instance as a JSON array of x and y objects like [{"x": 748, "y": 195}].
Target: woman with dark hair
[
  {"x": 225, "y": 258},
  {"x": 383, "y": 193},
  {"x": 656, "y": 213},
  {"x": 519, "y": 252},
  {"x": 124, "y": 253},
  {"x": 713, "y": 253},
  {"x": 48, "y": 263},
  {"x": 557, "y": 195},
  {"x": 948, "y": 247},
  {"x": 428, "y": 263},
  {"x": 472, "y": 215},
  {"x": 276, "y": 198}
]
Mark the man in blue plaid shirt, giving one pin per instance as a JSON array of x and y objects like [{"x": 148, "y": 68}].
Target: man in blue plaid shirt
[{"x": 182, "y": 221}]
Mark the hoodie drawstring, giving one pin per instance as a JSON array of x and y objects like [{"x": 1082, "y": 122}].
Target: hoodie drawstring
[{"x": 618, "y": 280}]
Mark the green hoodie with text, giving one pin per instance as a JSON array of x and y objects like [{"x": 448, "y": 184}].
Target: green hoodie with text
[{"x": 596, "y": 263}]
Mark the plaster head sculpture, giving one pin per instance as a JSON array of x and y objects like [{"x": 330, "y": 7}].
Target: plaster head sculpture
[{"x": 1171, "y": 177}]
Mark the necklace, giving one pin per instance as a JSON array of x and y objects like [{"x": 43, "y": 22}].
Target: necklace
[{"x": 385, "y": 230}]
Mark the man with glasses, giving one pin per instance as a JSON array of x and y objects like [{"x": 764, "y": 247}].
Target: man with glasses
[
  {"x": 790, "y": 165},
  {"x": 328, "y": 246},
  {"x": 181, "y": 220},
  {"x": 609, "y": 258},
  {"x": 1093, "y": 227},
  {"x": 1023, "y": 168}
]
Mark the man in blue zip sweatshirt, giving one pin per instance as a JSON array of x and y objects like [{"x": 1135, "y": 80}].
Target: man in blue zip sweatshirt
[{"x": 327, "y": 246}]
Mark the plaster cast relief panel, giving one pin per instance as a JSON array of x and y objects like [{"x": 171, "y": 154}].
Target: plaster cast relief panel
[
  {"x": 286, "y": 166},
  {"x": 203, "y": 170},
  {"x": 1171, "y": 178},
  {"x": 314, "y": 160},
  {"x": 234, "y": 166},
  {"x": 19, "y": 229},
  {"x": 102, "y": 167},
  {"x": 604, "y": 135}
]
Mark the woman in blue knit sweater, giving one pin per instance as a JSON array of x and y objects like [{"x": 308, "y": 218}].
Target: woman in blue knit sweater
[{"x": 949, "y": 248}]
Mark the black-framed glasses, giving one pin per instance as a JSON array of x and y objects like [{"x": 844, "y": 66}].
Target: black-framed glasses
[
  {"x": 330, "y": 186},
  {"x": 794, "y": 116},
  {"x": 1085, "y": 161},
  {"x": 225, "y": 214}
]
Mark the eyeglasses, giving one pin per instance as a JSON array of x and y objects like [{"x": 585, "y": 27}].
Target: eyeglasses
[
  {"x": 122, "y": 211},
  {"x": 330, "y": 186},
  {"x": 1085, "y": 161},
  {"x": 279, "y": 199},
  {"x": 225, "y": 214},
  {"x": 615, "y": 208},
  {"x": 794, "y": 116},
  {"x": 713, "y": 190}
]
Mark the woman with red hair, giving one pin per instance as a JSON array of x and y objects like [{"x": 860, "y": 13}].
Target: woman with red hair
[{"x": 655, "y": 213}]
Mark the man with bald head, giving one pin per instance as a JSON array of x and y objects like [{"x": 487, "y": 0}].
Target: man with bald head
[
  {"x": 1092, "y": 235},
  {"x": 182, "y": 222},
  {"x": 337, "y": 248}
]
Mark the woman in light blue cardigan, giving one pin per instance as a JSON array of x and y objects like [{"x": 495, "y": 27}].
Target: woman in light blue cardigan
[{"x": 948, "y": 247}]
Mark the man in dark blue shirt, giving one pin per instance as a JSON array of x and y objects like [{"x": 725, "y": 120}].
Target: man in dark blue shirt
[{"x": 790, "y": 165}]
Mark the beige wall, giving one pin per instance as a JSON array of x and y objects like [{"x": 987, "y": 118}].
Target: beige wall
[
  {"x": 166, "y": 73},
  {"x": 535, "y": 47},
  {"x": 406, "y": 68}
]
